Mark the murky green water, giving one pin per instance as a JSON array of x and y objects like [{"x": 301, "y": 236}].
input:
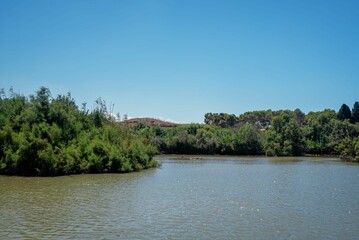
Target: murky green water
[{"x": 212, "y": 198}]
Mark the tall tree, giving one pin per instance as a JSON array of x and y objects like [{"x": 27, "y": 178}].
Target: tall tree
[
  {"x": 284, "y": 137},
  {"x": 344, "y": 112},
  {"x": 355, "y": 113},
  {"x": 299, "y": 116},
  {"x": 208, "y": 118},
  {"x": 42, "y": 101}
]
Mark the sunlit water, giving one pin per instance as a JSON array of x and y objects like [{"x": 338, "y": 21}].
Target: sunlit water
[{"x": 212, "y": 198}]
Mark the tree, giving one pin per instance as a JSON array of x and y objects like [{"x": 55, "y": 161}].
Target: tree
[
  {"x": 247, "y": 140},
  {"x": 284, "y": 137},
  {"x": 221, "y": 119},
  {"x": 42, "y": 102},
  {"x": 319, "y": 131},
  {"x": 355, "y": 113},
  {"x": 344, "y": 112},
  {"x": 208, "y": 118},
  {"x": 299, "y": 116},
  {"x": 45, "y": 136}
]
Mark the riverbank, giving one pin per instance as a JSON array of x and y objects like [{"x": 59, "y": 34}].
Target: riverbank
[{"x": 239, "y": 157}]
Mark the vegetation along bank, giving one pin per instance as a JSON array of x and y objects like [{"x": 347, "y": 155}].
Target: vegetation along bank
[
  {"x": 271, "y": 133},
  {"x": 45, "y": 136}
]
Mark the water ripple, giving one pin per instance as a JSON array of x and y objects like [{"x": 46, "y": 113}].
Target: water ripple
[{"x": 210, "y": 199}]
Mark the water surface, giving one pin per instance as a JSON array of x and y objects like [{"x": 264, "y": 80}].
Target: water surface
[{"x": 211, "y": 198}]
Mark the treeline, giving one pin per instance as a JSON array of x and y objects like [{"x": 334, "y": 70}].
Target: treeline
[
  {"x": 44, "y": 136},
  {"x": 261, "y": 118},
  {"x": 271, "y": 133}
]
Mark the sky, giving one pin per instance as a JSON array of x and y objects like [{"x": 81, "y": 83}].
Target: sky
[{"x": 177, "y": 60}]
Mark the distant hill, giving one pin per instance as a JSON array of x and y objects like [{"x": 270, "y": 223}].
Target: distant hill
[{"x": 151, "y": 122}]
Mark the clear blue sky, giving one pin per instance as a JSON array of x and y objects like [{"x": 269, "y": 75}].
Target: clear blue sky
[{"x": 180, "y": 59}]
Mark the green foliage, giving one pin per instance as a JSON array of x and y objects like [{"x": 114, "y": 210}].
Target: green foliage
[
  {"x": 318, "y": 132},
  {"x": 206, "y": 139},
  {"x": 221, "y": 119},
  {"x": 264, "y": 118},
  {"x": 274, "y": 133},
  {"x": 289, "y": 133},
  {"x": 346, "y": 148},
  {"x": 284, "y": 137},
  {"x": 344, "y": 112},
  {"x": 355, "y": 112},
  {"x": 248, "y": 140},
  {"x": 41, "y": 136},
  {"x": 46, "y": 136}
]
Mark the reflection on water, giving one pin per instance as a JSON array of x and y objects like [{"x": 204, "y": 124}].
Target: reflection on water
[{"x": 208, "y": 198}]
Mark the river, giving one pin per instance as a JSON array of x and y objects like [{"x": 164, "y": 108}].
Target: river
[{"x": 210, "y": 198}]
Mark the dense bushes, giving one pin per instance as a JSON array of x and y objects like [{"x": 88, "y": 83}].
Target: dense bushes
[
  {"x": 45, "y": 137},
  {"x": 204, "y": 139},
  {"x": 273, "y": 133}
]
